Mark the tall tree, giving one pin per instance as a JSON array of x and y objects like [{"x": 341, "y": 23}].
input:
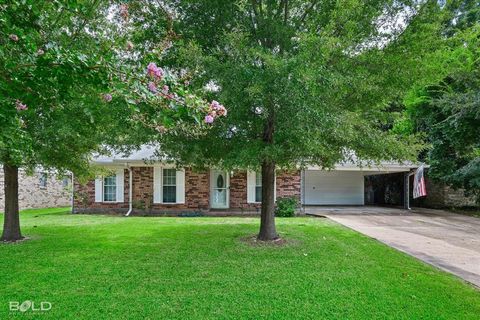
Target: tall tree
[
  {"x": 52, "y": 76},
  {"x": 305, "y": 82},
  {"x": 73, "y": 82},
  {"x": 448, "y": 112}
]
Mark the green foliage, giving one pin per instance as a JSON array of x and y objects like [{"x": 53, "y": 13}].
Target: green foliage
[
  {"x": 448, "y": 114},
  {"x": 286, "y": 207},
  {"x": 318, "y": 75},
  {"x": 82, "y": 197},
  {"x": 73, "y": 80},
  {"x": 57, "y": 71},
  {"x": 138, "y": 204}
]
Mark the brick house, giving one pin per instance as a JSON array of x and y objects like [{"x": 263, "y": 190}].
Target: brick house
[
  {"x": 166, "y": 189},
  {"x": 40, "y": 189},
  {"x": 139, "y": 183}
]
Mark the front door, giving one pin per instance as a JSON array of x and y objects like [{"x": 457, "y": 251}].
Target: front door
[{"x": 219, "y": 182}]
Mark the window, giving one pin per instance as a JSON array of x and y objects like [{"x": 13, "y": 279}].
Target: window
[
  {"x": 65, "y": 181},
  {"x": 258, "y": 187},
  {"x": 110, "y": 189},
  {"x": 43, "y": 180},
  {"x": 169, "y": 186}
]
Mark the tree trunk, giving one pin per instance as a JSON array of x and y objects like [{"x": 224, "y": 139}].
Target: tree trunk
[
  {"x": 11, "y": 224},
  {"x": 267, "y": 221},
  {"x": 268, "y": 231}
]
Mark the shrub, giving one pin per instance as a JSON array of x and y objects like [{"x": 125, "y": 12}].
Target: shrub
[
  {"x": 286, "y": 207},
  {"x": 138, "y": 204},
  {"x": 82, "y": 197}
]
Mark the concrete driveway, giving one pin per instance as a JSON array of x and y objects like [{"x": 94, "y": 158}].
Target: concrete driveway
[{"x": 446, "y": 240}]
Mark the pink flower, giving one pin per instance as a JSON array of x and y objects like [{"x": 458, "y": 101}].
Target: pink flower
[
  {"x": 152, "y": 87},
  {"x": 165, "y": 89},
  {"x": 20, "y": 106},
  {"x": 214, "y": 105},
  {"x": 158, "y": 73},
  {"x": 13, "y": 37},
  {"x": 161, "y": 129},
  {"x": 219, "y": 109},
  {"x": 124, "y": 11},
  {"x": 129, "y": 45},
  {"x": 107, "y": 97},
  {"x": 224, "y": 111},
  {"x": 209, "y": 119},
  {"x": 151, "y": 68},
  {"x": 154, "y": 71}
]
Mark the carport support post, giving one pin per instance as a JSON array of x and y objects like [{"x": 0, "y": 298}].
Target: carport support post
[
  {"x": 302, "y": 191},
  {"x": 406, "y": 190}
]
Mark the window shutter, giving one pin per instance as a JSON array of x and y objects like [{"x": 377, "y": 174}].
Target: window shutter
[
  {"x": 99, "y": 189},
  {"x": 180, "y": 186},
  {"x": 120, "y": 187},
  {"x": 157, "y": 185},
  {"x": 251, "y": 186}
]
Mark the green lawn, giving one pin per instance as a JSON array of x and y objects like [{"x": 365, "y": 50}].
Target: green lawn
[{"x": 106, "y": 267}]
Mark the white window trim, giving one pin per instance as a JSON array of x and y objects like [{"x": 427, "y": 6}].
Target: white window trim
[
  {"x": 158, "y": 185},
  {"x": 253, "y": 176},
  {"x": 163, "y": 185},
  {"x": 103, "y": 189},
  {"x": 119, "y": 183},
  {"x": 256, "y": 186}
]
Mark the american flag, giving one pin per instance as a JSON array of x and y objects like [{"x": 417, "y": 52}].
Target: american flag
[{"x": 419, "y": 189}]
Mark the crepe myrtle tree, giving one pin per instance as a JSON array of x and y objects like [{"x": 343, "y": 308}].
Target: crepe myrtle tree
[
  {"x": 305, "y": 82},
  {"x": 69, "y": 88}
]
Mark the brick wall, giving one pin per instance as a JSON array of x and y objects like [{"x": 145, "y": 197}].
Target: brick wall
[
  {"x": 84, "y": 197},
  {"x": 289, "y": 184},
  {"x": 440, "y": 195},
  {"x": 197, "y": 192},
  {"x": 197, "y": 189},
  {"x": 31, "y": 195},
  {"x": 238, "y": 192}
]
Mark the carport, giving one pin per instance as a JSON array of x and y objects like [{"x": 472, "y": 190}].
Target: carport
[{"x": 352, "y": 185}]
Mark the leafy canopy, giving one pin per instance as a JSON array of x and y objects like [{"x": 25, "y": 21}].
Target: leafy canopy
[
  {"x": 74, "y": 79},
  {"x": 306, "y": 82},
  {"x": 448, "y": 113}
]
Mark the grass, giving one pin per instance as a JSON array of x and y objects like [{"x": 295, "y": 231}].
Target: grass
[{"x": 108, "y": 267}]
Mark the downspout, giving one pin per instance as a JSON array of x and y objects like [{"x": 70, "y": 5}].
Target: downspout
[
  {"x": 302, "y": 190},
  {"x": 73, "y": 194},
  {"x": 130, "y": 192}
]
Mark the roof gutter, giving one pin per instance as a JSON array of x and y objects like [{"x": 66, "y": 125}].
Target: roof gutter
[{"x": 130, "y": 202}]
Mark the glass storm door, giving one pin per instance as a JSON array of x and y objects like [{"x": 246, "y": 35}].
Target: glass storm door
[{"x": 219, "y": 189}]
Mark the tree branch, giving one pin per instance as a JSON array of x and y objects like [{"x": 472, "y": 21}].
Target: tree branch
[
  {"x": 257, "y": 18},
  {"x": 307, "y": 11},
  {"x": 281, "y": 5}
]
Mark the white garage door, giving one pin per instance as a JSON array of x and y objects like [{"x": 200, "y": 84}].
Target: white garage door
[{"x": 334, "y": 187}]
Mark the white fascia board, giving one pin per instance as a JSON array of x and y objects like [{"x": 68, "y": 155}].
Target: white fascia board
[{"x": 384, "y": 168}]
